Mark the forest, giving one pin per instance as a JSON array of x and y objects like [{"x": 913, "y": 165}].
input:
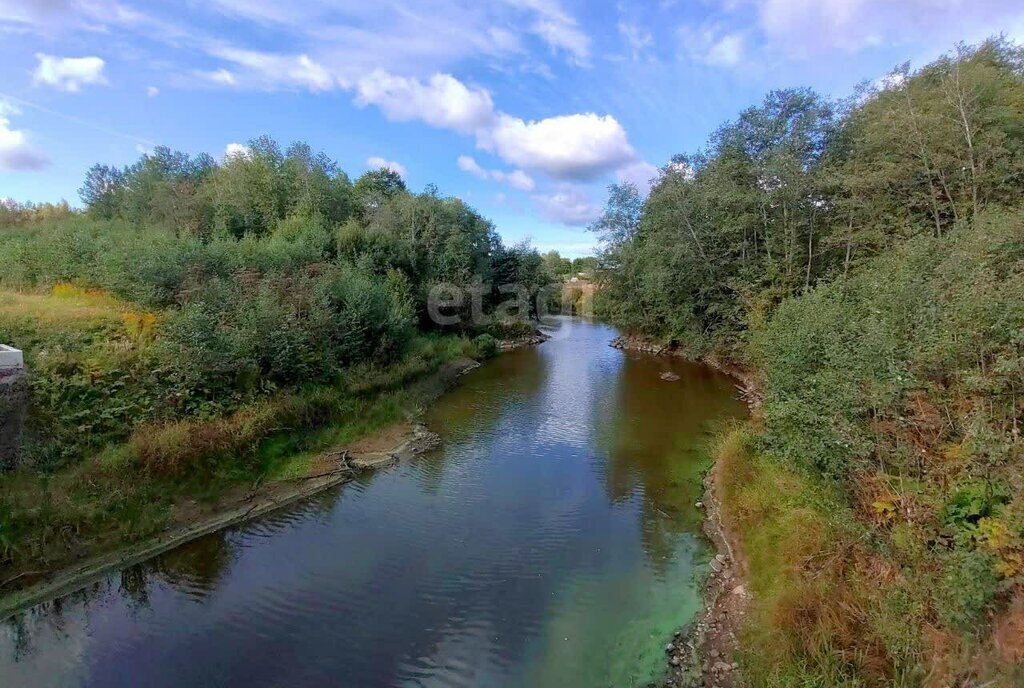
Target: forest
[
  {"x": 864, "y": 260},
  {"x": 198, "y": 321}
]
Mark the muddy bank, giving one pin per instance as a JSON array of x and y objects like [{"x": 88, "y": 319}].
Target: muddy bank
[
  {"x": 191, "y": 519},
  {"x": 702, "y": 653}
]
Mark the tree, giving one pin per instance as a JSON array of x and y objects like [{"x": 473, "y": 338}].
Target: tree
[
  {"x": 556, "y": 265},
  {"x": 375, "y": 187},
  {"x": 102, "y": 189}
]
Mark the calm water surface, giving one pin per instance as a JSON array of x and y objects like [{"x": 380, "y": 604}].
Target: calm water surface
[{"x": 551, "y": 541}]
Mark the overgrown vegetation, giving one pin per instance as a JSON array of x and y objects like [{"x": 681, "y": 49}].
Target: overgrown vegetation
[
  {"x": 196, "y": 313},
  {"x": 867, "y": 258}
]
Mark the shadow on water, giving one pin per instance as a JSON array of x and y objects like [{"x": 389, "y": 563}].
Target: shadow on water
[{"x": 550, "y": 541}]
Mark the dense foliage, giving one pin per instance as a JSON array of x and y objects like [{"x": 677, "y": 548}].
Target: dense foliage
[
  {"x": 867, "y": 257},
  {"x": 221, "y": 283}
]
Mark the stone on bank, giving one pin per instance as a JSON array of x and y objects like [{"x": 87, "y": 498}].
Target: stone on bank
[{"x": 13, "y": 405}]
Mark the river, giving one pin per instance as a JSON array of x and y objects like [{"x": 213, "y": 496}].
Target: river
[{"x": 552, "y": 540}]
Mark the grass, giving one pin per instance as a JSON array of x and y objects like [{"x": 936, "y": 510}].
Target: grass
[
  {"x": 127, "y": 491},
  {"x": 805, "y": 626},
  {"x": 838, "y": 600}
]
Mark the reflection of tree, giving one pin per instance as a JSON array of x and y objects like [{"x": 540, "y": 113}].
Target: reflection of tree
[
  {"x": 652, "y": 432},
  {"x": 134, "y": 586},
  {"x": 196, "y": 567},
  {"x": 475, "y": 406},
  {"x": 17, "y": 629}
]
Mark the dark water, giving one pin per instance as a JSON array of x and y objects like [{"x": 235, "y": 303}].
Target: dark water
[{"x": 551, "y": 541}]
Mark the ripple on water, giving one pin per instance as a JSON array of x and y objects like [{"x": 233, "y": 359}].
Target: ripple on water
[{"x": 547, "y": 542}]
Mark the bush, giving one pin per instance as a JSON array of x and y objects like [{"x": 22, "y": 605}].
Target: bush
[{"x": 486, "y": 346}]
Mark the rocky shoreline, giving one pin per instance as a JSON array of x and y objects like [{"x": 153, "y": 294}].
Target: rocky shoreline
[
  {"x": 536, "y": 338},
  {"x": 702, "y": 653}
]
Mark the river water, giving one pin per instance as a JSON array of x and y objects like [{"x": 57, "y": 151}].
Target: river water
[{"x": 552, "y": 540}]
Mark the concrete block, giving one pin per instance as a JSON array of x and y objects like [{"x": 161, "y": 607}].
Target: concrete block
[
  {"x": 11, "y": 358},
  {"x": 13, "y": 406}
]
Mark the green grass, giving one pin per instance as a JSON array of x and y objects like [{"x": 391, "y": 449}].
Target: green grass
[{"x": 126, "y": 491}]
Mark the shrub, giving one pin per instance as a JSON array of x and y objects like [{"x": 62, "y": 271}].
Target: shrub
[{"x": 486, "y": 346}]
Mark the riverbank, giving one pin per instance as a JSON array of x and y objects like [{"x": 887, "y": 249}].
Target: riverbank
[
  {"x": 704, "y": 651},
  {"x": 382, "y": 428}
]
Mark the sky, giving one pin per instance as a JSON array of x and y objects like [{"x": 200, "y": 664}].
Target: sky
[{"x": 527, "y": 109}]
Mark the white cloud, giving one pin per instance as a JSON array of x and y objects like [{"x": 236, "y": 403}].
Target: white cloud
[
  {"x": 712, "y": 45},
  {"x": 890, "y": 80},
  {"x": 568, "y": 249},
  {"x": 557, "y": 28},
  {"x": 637, "y": 39},
  {"x": 578, "y": 147},
  {"x": 443, "y": 101},
  {"x": 68, "y": 73},
  {"x": 16, "y": 152},
  {"x": 152, "y": 91},
  {"x": 569, "y": 205},
  {"x": 805, "y": 28},
  {"x": 412, "y": 37},
  {"x": 53, "y": 16},
  {"x": 639, "y": 174},
  {"x": 376, "y": 162},
  {"x": 468, "y": 164},
  {"x": 233, "y": 150},
  {"x": 517, "y": 179},
  {"x": 568, "y": 147},
  {"x": 218, "y": 76},
  {"x": 274, "y": 70},
  {"x": 727, "y": 51}
]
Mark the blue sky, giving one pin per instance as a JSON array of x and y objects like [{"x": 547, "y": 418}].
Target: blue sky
[{"x": 528, "y": 109}]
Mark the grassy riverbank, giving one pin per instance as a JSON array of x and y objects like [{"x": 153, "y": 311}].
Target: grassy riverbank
[
  {"x": 166, "y": 471},
  {"x": 865, "y": 260},
  {"x": 208, "y": 326}
]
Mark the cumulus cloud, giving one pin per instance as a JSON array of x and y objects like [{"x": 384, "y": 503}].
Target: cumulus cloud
[
  {"x": 443, "y": 101},
  {"x": 236, "y": 150},
  {"x": 577, "y": 147},
  {"x": 640, "y": 174},
  {"x": 517, "y": 179},
  {"x": 68, "y": 73},
  {"x": 16, "y": 152},
  {"x": 468, "y": 164},
  {"x": 376, "y": 162},
  {"x": 569, "y": 205},
  {"x": 569, "y": 147}
]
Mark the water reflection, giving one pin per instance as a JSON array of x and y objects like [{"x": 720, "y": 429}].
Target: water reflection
[
  {"x": 550, "y": 541},
  {"x": 653, "y": 435}
]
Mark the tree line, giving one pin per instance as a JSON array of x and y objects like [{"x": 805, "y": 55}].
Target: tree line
[
  {"x": 266, "y": 271},
  {"x": 865, "y": 258}
]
